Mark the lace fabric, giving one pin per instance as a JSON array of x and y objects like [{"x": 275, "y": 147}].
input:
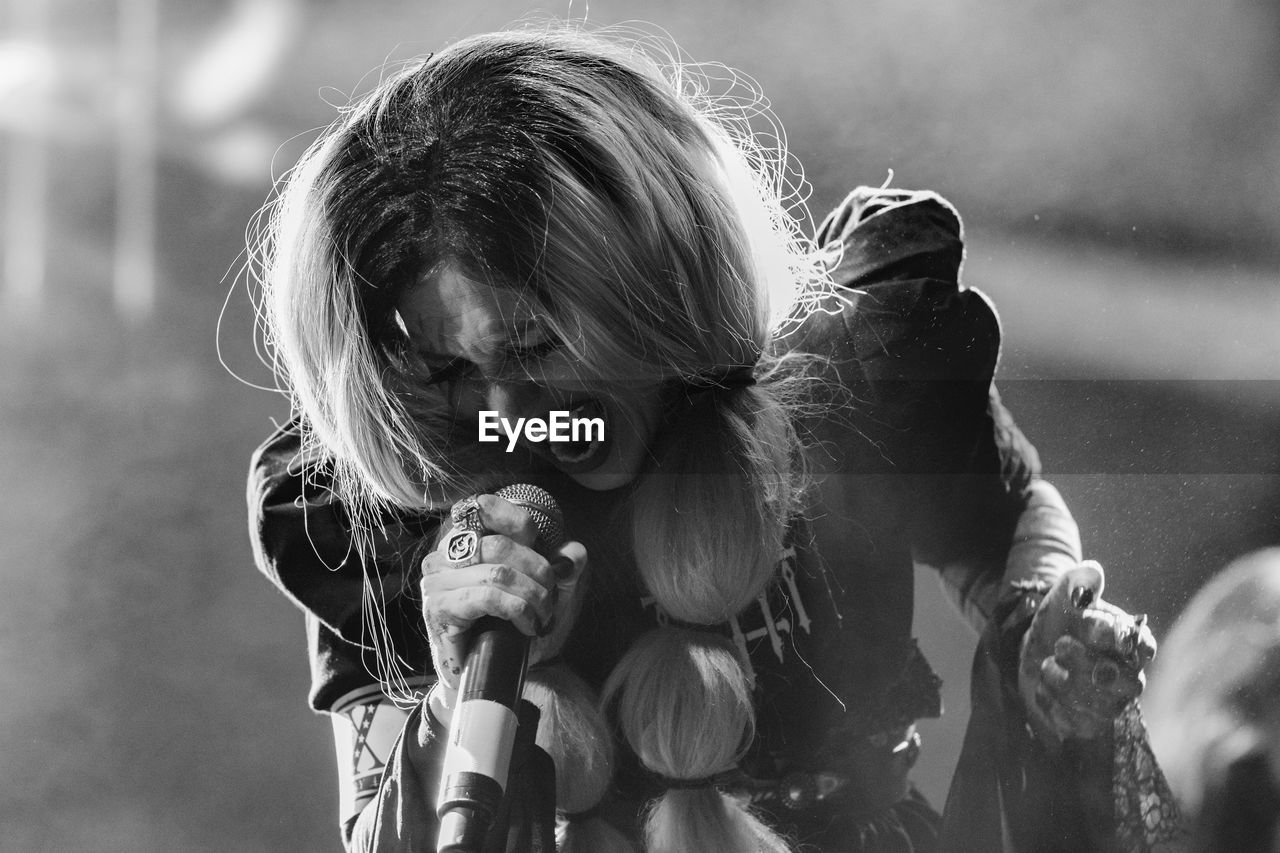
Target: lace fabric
[{"x": 1145, "y": 811}]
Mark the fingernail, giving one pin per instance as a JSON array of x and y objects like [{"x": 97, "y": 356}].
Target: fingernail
[
  {"x": 1105, "y": 674},
  {"x": 562, "y": 569},
  {"x": 1129, "y": 642},
  {"x": 1082, "y": 597}
]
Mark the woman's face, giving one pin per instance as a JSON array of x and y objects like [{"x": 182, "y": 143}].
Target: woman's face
[{"x": 496, "y": 357}]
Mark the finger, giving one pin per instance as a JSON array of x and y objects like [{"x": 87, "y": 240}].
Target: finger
[
  {"x": 1101, "y": 629},
  {"x": 1118, "y": 679},
  {"x": 568, "y": 565},
  {"x": 508, "y": 551},
  {"x": 1101, "y": 680},
  {"x": 1147, "y": 645},
  {"x": 1133, "y": 638},
  {"x": 1081, "y": 679},
  {"x": 1054, "y": 676},
  {"x": 1076, "y": 657},
  {"x": 448, "y": 641},
  {"x": 458, "y": 609},
  {"x": 1110, "y": 630},
  {"x": 1059, "y": 612},
  {"x": 497, "y": 576},
  {"x": 501, "y": 516},
  {"x": 1070, "y": 716},
  {"x": 1065, "y": 721},
  {"x": 495, "y": 549},
  {"x": 1087, "y": 582}
]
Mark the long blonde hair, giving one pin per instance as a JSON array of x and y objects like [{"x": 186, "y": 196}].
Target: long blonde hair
[{"x": 648, "y": 226}]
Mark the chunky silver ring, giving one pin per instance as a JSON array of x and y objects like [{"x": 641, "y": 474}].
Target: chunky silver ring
[
  {"x": 1104, "y": 674},
  {"x": 461, "y": 547},
  {"x": 466, "y": 514}
]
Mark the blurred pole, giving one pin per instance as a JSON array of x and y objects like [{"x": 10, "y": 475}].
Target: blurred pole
[
  {"x": 137, "y": 47},
  {"x": 25, "y": 196}
]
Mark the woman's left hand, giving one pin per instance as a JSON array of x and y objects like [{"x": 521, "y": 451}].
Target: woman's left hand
[{"x": 1082, "y": 658}]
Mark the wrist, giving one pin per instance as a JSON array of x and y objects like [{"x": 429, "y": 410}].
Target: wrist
[{"x": 1019, "y": 670}]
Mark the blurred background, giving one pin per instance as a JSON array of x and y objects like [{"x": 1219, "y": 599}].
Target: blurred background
[{"x": 1118, "y": 165}]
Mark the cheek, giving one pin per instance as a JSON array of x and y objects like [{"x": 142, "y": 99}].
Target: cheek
[
  {"x": 514, "y": 400},
  {"x": 635, "y": 423},
  {"x": 629, "y": 449},
  {"x": 468, "y": 398},
  {"x": 641, "y": 427}
]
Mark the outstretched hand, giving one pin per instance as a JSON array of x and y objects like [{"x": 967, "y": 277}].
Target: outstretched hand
[{"x": 1082, "y": 659}]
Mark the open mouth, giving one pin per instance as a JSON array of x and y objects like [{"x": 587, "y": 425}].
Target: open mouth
[{"x": 590, "y": 439}]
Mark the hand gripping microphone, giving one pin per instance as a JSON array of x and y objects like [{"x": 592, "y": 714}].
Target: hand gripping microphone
[{"x": 483, "y": 729}]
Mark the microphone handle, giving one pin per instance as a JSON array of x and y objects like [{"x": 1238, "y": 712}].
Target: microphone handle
[
  {"x": 481, "y": 735},
  {"x": 483, "y": 731}
]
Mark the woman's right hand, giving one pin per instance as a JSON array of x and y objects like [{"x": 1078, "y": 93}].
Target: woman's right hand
[{"x": 505, "y": 578}]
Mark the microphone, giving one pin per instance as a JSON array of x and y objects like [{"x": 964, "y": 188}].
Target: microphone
[{"x": 482, "y": 733}]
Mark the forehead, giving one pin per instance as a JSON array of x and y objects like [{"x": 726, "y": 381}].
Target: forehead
[{"x": 448, "y": 313}]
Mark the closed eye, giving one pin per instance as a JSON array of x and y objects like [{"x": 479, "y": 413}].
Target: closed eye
[
  {"x": 534, "y": 351},
  {"x": 515, "y": 360},
  {"x": 445, "y": 370}
]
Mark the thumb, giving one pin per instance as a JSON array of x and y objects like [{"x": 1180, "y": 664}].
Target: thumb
[
  {"x": 568, "y": 573},
  {"x": 1075, "y": 590},
  {"x": 569, "y": 564}
]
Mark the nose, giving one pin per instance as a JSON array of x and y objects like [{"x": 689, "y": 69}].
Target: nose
[{"x": 515, "y": 399}]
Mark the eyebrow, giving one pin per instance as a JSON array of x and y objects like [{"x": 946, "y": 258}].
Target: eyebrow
[
  {"x": 516, "y": 332},
  {"x": 496, "y": 343}
]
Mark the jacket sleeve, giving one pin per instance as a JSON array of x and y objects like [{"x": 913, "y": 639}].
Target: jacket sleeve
[
  {"x": 401, "y": 815},
  {"x": 302, "y": 539},
  {"x": 360, "y": 606},
  {"x": 927, "y": 347},
  {"x": 401, "y": 818}
]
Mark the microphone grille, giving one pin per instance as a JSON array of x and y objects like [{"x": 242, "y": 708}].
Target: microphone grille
[{"x": 542, "y": 508}]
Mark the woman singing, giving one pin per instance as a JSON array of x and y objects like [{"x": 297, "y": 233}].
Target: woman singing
[{"x": 527, "y": 224}]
